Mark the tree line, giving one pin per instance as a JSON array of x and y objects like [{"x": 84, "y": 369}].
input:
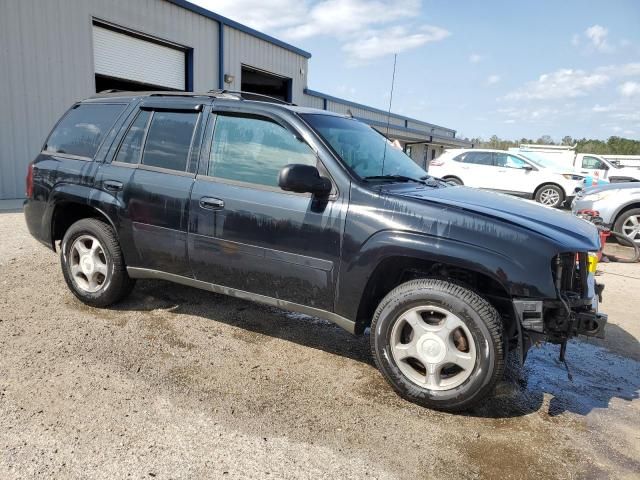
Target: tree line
[{"x": 612, "y": 146}]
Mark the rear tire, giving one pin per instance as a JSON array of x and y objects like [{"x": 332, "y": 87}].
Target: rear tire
[
  {"x": 438, "y": 344},
  {"x": 93, "y": 265},
  {"x": 550, "y": 195}
]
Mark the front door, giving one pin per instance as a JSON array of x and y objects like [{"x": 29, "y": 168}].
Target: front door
[
  {"x": 248, "y": 234},
  {"x": 513, "y": 176},
  {"x": 594, "y": 166}
]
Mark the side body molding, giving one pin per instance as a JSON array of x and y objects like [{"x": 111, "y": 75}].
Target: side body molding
[{"x": 343, "y": 322}]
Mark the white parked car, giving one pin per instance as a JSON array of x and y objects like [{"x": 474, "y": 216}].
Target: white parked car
[{"x": 509, "y": 173}]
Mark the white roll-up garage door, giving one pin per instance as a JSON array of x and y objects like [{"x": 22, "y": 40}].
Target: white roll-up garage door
[{"x": 123, "y": 56}]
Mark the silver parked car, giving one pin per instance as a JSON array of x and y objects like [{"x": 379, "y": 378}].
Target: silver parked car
[{"x": 618, "y": 204}]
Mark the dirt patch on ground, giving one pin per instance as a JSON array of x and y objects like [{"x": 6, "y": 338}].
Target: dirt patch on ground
[{"x": 180, "y": 383}]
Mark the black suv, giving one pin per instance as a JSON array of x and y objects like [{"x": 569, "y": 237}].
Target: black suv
[{"x": 313, "y": 212}]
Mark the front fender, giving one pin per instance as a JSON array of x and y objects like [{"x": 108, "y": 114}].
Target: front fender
[{"x": 526, "y": 276}]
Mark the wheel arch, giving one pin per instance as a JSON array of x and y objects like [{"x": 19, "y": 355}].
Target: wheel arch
[
  {"x": 396, "y": 270},
  {"x": 70, "y": 203},
  {"x": 623, "y": 209},
  {"x": 391, "y": 258}
]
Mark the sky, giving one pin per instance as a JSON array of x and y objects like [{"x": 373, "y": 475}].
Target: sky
[{"x": 510, "y": 68}]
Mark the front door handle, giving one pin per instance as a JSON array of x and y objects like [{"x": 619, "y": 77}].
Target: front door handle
[
  {"x": 211, "y": 203},
  {"x": 112, "y": 185}
]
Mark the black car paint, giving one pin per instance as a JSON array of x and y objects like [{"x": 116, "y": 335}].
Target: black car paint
[{"x": 315, "y": 252}]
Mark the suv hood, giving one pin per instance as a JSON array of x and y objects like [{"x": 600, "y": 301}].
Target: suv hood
[
  {"x": 566, "y": 231},
  {"x": 625, "y": 172}
]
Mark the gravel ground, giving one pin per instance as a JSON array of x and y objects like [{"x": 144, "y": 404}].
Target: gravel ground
[{"x": 179, "y": 383}]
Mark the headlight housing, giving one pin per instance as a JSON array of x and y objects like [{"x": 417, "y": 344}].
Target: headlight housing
[
  {"x": 595, "y": 197},
  {"x": 572, "y": 176}
]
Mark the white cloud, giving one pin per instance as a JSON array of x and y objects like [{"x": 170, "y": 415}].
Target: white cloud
[
  {"x": 475, "y": 58},
  {"x": 366, "y": 28},
  {"x": 493, "y": 79},
  {"x": 344, "y": 17},
  {"x": 378, "y": 43},
  {"x": 564, "y": 83},
  {"x": 597, "y": 34},
  {"x": 630, "y": 89}
]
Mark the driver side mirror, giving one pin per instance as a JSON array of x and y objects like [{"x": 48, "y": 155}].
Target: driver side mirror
[
  {"x": 303, "y": 179},
  {"x": 528, "y": 168}
]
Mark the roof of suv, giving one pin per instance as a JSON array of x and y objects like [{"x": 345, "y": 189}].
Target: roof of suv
[{"x": 232, "y": 95}]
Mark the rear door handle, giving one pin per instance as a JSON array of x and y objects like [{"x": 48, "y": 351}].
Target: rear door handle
[
  {"x": 112, "y": 185},
  {"x": 211, "y": 203}
]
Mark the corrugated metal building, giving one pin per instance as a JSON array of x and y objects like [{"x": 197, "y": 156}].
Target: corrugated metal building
[{"x": 56, "y": 52}]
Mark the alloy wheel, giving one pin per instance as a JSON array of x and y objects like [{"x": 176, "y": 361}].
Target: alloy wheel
[
  {"x": 433, "y": 348},
  {"x": 88, "y": 264},
  {"x": 550, "y": 197},
  {"x": 631, "y": 228}
]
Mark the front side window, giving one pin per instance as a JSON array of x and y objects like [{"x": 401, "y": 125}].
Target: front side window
[
  {"x": 83, "y": 128},
  {"x": 254, "y": 150},
  {"x": 509, "y": 161},
  {"x": 593, "y": 163},
  {"x": 169, "y": 140},
  {"x": 132, "y": 143},
  {"x": 365, "y": 151}
]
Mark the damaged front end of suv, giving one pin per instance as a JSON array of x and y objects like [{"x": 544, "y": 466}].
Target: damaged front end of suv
[{"x": 574, "y": 312}]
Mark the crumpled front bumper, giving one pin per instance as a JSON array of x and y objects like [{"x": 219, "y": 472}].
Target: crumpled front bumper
[{"x": 559, "y": 319}]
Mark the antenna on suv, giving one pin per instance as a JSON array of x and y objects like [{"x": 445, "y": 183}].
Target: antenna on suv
[{"x": 393, "y": 81}]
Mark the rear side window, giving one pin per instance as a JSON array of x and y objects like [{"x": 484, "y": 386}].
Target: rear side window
[
  {"x": 169, "y": 140},
  {"x": 83, "y": 128},
  {"x": 477, "y": 158}
]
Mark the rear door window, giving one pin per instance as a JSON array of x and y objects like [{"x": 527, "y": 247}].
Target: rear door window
[
  {"x": 82, "y": 129},
  {"x": 169, "y": 140},
  {"x": 132, "y": 143}
]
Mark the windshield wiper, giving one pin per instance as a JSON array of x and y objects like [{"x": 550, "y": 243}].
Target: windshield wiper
[{"x": 394, "y": 178}]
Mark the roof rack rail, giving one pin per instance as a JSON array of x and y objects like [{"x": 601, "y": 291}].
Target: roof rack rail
[
  {"x": 242, "y": 95},
  {"x": 110, "y": 90}
]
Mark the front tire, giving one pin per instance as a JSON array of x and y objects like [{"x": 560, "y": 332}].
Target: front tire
[
  {"x": 438, "y": 344},
  {"x": 93, "y": 265},
  {"x": 550, "y": 195},
  {"x": 453, "y": 180},
  {"x": 628, "y": 224}
]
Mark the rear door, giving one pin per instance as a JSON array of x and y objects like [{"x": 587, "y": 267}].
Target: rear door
[
  {"x": 248, "y": 234},
  {"x": 151, "y": 175}
]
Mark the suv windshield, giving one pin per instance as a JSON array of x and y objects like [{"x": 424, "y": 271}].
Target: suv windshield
[{"x": 365, "y": 151}]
